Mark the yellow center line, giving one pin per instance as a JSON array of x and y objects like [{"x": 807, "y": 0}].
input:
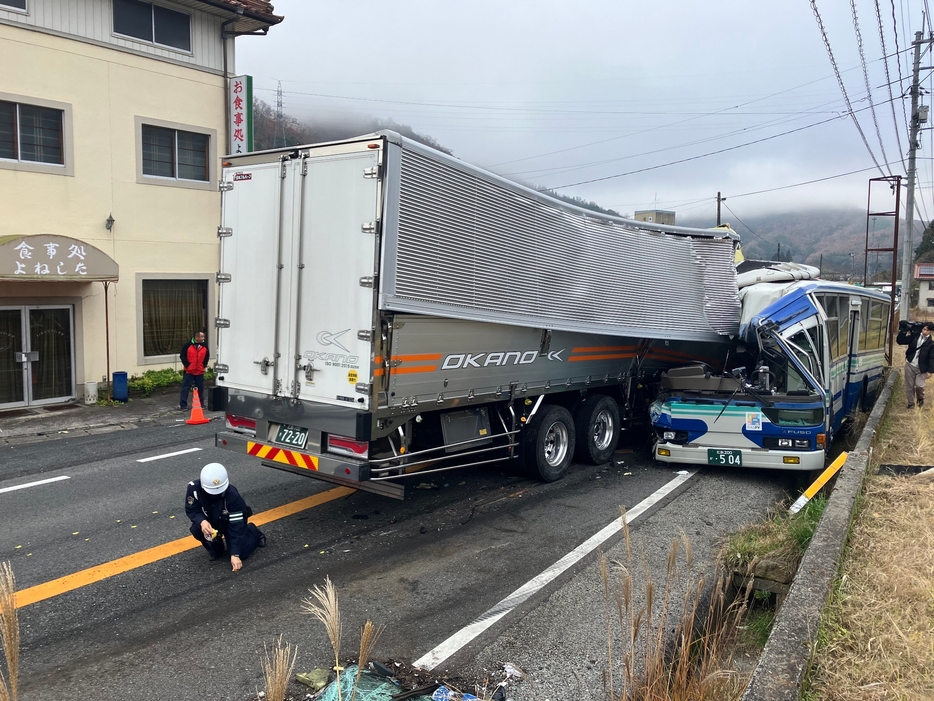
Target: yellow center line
[{"x": 69, "y": 582}]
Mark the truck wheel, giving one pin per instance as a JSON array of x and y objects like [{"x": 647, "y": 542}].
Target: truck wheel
[
  {"x": 548, "y": 444},
  {"x": 597, "y": 422}
]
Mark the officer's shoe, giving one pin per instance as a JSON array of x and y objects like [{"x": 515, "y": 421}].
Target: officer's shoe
[{"x": 262, "y": 540}]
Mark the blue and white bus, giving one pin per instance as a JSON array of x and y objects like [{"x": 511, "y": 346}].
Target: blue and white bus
[{"x": 809, "y": 354}]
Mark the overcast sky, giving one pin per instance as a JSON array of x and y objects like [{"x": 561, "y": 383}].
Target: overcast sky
[{"x": 581, "y": 96}]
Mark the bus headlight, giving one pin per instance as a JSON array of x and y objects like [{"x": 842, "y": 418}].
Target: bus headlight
[
  {"x": 805, "y": 444},
  {"x": 784, "y": 443},
  {"x": 668, "y": 435}
]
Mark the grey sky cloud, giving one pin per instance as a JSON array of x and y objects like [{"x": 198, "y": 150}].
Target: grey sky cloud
[{"x": 632, "y": 105}]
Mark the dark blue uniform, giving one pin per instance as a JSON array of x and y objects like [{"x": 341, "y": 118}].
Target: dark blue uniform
[{"x": 227, "y": 513}]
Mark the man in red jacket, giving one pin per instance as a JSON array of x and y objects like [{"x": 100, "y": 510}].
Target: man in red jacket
[{"x": 194, "y": 355}]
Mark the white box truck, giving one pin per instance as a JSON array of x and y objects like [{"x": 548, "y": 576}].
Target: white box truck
[{"x": 386, "y": 309}]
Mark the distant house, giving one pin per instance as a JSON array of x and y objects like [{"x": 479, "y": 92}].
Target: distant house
[
  {"x": 924, "y": 273},
  {"x": 659, "y": 216},
  {"x": 112, "y": 122}
]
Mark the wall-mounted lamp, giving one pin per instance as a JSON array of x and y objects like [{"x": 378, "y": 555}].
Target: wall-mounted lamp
[{"x": 110, "y": 222}]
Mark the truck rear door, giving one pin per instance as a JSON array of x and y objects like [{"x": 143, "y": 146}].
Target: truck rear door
[
  {"x": 251, "y": 237},
  {"x": 334, "y": 285}
]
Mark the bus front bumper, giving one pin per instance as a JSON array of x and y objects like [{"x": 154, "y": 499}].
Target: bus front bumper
[{"x": 753, "y": 458}]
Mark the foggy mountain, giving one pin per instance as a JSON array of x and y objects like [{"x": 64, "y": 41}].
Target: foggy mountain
[{"x": 833, "y": 239}]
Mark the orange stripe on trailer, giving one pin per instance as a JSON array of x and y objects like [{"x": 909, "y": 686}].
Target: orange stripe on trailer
[
  {"x": 603, "y": 349},
  {"x": 414, "y": 369},
  {"x": 417, "y": 357},
  {"x": 378, "y": 372},
  {"x": 287, "y": 457},
  {"x": 614, "y": 356}
]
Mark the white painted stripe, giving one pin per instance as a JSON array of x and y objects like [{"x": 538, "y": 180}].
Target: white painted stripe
[
  {"x": 169, "y": 455},
  {"x": 443, "y": 651},
  {"x": 34, "y": 484}
]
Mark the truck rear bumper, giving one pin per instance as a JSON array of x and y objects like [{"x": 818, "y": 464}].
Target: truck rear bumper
[
  {"x": 322, "y": 467},
  {"x": 771, "y": 459}
]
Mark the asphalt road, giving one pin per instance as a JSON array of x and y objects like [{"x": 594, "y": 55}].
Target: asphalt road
[{"x": 183, "y": 627}]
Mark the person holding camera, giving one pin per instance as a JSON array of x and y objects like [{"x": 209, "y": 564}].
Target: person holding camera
[{"x": 918, "y": 357}]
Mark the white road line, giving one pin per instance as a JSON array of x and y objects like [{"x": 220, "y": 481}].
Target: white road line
[
  {"x": 34, "y": 484},
  {"x": 169, "y": 455},
  {"x": 435, "y": 657}
]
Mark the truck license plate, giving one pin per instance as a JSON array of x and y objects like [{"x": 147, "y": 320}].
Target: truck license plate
[
  {"x": 731, "y": 458},
  {"x": 294, "y": 436}
]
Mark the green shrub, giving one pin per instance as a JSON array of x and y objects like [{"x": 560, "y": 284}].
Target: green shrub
[{"x": 152, "y": 379}]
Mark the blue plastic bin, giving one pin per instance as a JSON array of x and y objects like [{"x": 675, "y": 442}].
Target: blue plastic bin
[{"x": 121, "y": 391}]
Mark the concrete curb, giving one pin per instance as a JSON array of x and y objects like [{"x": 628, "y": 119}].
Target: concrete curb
[{"x": 784, "y": 662}]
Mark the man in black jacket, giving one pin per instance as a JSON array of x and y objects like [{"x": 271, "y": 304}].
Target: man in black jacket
[
  {"x": 919, "y": 361},
  {"x": 219, "y": 515}
]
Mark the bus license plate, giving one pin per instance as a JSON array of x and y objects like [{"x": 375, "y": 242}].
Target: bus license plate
[
  {"x": 294, "y": 436},
  {"x": 731, "y": 458}
]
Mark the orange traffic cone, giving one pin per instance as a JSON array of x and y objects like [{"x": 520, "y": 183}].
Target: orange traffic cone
[{"x": 197, "y": 416}]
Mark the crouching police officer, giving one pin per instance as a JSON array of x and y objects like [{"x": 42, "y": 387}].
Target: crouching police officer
[{"x": 219, "y": 515}]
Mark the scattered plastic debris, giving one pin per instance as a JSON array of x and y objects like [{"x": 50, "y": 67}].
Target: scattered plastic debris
[
  {"x": 427, "y": 485},
  {"x": 682, "y": 472},
  {"x": 513, "y": 671},
  {"x": 442, "y": 693},
  {"x": 317, "y": 679},
  {"x": 626, "y": 474}
]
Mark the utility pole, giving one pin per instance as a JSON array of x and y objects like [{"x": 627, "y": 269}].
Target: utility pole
[
  {"x": 918, "y": 117},
  {"x": 719, "y": 200}
]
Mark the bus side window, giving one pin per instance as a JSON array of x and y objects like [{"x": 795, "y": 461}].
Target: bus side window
[
  {"x": 843, "y": 327},
  {"x": 829, "y": 303}
]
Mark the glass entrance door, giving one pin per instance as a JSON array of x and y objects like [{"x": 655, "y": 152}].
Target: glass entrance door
[
  {"x": 12, "y": 369},
  {"x": 51, "y": 361},
  {"x": 36, "y": 355}
]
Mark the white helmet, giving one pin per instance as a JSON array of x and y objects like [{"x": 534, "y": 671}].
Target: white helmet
[{"x": 214, "y": 478}]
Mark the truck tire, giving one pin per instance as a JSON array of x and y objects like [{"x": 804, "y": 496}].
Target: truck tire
[
  {"x": 596, "y": 421},
  {"x": 548, "y": 443}
]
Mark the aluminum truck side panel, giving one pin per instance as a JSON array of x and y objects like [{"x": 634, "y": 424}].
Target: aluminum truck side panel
[
  {"x": 465, "y": 244},
  {"x": 251, "y": 211},
  {"x": 334, "y": 257},
  {"x": 436, "y": 360}
]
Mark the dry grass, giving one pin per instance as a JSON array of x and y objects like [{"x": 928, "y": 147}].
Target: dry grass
[
  {"x": 906, "y": 437},
  {"x": 877, "y": 635},
  {"x": 369, "y": 635},
  {"x": 671, "y": 650},
  {"x": 322, "y": 604},
  {"x": 277, "y": 670},
  {"x": 9, "y": 632}
]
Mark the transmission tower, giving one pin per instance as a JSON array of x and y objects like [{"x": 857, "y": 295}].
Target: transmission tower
[{"x": 279, "y": 139}]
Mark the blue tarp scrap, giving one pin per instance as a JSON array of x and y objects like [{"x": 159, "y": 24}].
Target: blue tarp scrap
[
  {"x": 442, "y": 693},
  {"x": 372, "y": 687}
]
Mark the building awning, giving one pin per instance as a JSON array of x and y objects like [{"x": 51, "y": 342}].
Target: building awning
[{"x": 52, "y": 258}]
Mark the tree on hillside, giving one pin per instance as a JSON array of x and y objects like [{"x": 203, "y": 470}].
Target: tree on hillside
[
  {"x": 298, "y": 132},
  {"x": 924, "y": 253},
  {"x": 577, "y": 201}
]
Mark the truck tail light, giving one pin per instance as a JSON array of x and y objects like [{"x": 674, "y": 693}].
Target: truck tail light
[
  {"x": 241, "y": 424},
  {"x": 348, "y": 446}
]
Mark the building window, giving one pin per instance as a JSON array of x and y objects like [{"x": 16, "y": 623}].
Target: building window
[
  {"x": 18, "y": 4},
  {"x": 31, "y": 133},
  {"x": 173, "y": 311},
  {"x": 930, "y": 302},
  {"x": 152, "y": 23},
  {"x": 173, "y": 153}
]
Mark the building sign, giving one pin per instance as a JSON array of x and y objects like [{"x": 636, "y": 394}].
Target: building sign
[
  {"x": 241, "y": 114},
  {"x": 53, "y": 258}
]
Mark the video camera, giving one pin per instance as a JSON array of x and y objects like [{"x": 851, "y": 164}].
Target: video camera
[{"x": 912, "y": 327}]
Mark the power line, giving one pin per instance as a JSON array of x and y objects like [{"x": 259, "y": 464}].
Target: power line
[
  {"x": 705, "y": 155},
  {"x": 862, "y": 60},
  {"x": 846, "y": 98},
  {"x": 744, "y": 223},
  {"x": 901, "y": 79},
  {"x": 888, "y": 81}
]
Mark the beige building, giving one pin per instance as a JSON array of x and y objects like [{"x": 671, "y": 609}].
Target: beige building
[
  {"x": 659, "y": 216},
  {"x": 113, "y": 115}
]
